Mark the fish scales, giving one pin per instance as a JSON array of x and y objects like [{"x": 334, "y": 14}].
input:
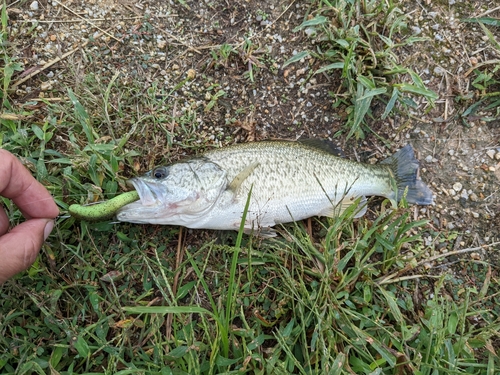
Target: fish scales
[
  {"x": 290, "y": 181},
  {"x": 293, "y": 177}
]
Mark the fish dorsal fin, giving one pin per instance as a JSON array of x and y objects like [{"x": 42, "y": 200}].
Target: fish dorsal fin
[
  {"x": 240, "y": 177},
  {"x": 323, "y": 145},
  {"x": 344, "y": 204}
]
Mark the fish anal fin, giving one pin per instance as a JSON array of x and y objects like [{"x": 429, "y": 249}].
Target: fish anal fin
[
  {"x": 240, "y": 177},
  {"x": 344, "y": 204},
  {"x": 264, "y": 232}
]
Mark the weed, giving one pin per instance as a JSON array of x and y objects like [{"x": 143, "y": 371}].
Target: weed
[
  {"x": 486, "y": 81},
  {"x": 358, "y": 39}
]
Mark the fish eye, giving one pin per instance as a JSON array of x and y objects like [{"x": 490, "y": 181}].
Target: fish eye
[{"x": 160, "y": 172}]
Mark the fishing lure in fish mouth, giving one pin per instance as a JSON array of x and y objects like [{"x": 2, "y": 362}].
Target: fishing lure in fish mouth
[{"x": 104, "y": 210}]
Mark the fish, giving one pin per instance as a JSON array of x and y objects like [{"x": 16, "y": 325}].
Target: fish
[{"x": 284, "y": 181}]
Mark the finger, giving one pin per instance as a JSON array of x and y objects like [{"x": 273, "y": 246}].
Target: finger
[
  {"x": 4, "y": 222},
  {"x": 17, "y": 183},
  {"x": 19, "y": 247}
]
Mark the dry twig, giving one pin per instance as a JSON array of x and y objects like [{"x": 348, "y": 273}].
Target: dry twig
[{"x": 392, "y": 277}]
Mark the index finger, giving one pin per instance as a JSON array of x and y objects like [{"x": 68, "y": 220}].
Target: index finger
[{"x": 17, "y": 183}]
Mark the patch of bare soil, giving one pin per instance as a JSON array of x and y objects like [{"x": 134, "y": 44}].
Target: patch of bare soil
[{"x": 242, "y": 92}]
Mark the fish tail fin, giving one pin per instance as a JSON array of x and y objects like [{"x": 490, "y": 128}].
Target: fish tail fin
[{"x": 404, "y": 166}]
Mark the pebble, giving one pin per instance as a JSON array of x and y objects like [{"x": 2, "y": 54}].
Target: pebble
[
  {"x": 475, "y": 215},
  {"x": 46, "y": 86},
  {"x": 491, "y": 154},
  {"x": 439, "y": 71},
  {"x": 457, "y": 186},
  {"x": 416, "y": 30},
  {"x": 464, "y": 194},
  {"x": 34, "y": 5},
  {"x": 310, "y": 32}
]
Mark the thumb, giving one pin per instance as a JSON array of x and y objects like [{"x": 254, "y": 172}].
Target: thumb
[{"x": 19, "y": 248}]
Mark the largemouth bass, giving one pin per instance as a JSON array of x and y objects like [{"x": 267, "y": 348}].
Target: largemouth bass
[{"x": 289, "y": 181}]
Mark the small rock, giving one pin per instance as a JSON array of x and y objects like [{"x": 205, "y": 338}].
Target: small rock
[
  {"x": 475, "y": 215},
  {"x": 310, "y": 32},
  {"x": 451, "y": 152},
  {"x": 34, "y": 5},
  {"x": 475, "y": 256},
  {"x": 473, "y": 197},
  {"x": 428, "y": 159},
  {"x": 464, "y": 194},
  {"x": 191, "y": 74},
  {"x": 46, "y": 86},
  {"x": 491, "y": 154},
  {"x": 299, "y": 72},
  {"x": 457, "y": 186},
  {"x": 439, "y": 71}
]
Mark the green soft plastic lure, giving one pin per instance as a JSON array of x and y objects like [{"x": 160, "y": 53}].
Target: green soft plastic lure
[{"x": 104, "y": 210}]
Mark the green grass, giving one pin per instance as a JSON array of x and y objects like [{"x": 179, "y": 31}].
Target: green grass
[
  {"x": 486, "y": 101},
  {"x": 109, "y": 298},
  {"x": 358, "y": 40}
]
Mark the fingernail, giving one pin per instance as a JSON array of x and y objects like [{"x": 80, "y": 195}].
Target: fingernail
[{"x": 48, "y": 228}]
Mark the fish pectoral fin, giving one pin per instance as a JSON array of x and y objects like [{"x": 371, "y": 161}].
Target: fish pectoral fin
[
  {"x": 362, "y": 208},
  {"x": 235, "y": 185},
  {"x": 344, "y": 204}
]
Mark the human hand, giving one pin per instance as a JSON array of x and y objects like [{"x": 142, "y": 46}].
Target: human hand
[{"x": 20, "y": 246}]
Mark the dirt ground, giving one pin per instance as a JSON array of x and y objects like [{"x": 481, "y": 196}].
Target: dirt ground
[{"x": 159, "y": 42}]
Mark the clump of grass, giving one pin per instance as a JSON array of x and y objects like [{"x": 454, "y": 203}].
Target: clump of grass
[
  {"x": 486, "y": 106},
  {"x": 10, "y": 64},
  {"x": 359, "y": 39}
]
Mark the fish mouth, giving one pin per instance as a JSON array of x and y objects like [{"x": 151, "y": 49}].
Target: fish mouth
[{"x": 149, "y": 194}]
